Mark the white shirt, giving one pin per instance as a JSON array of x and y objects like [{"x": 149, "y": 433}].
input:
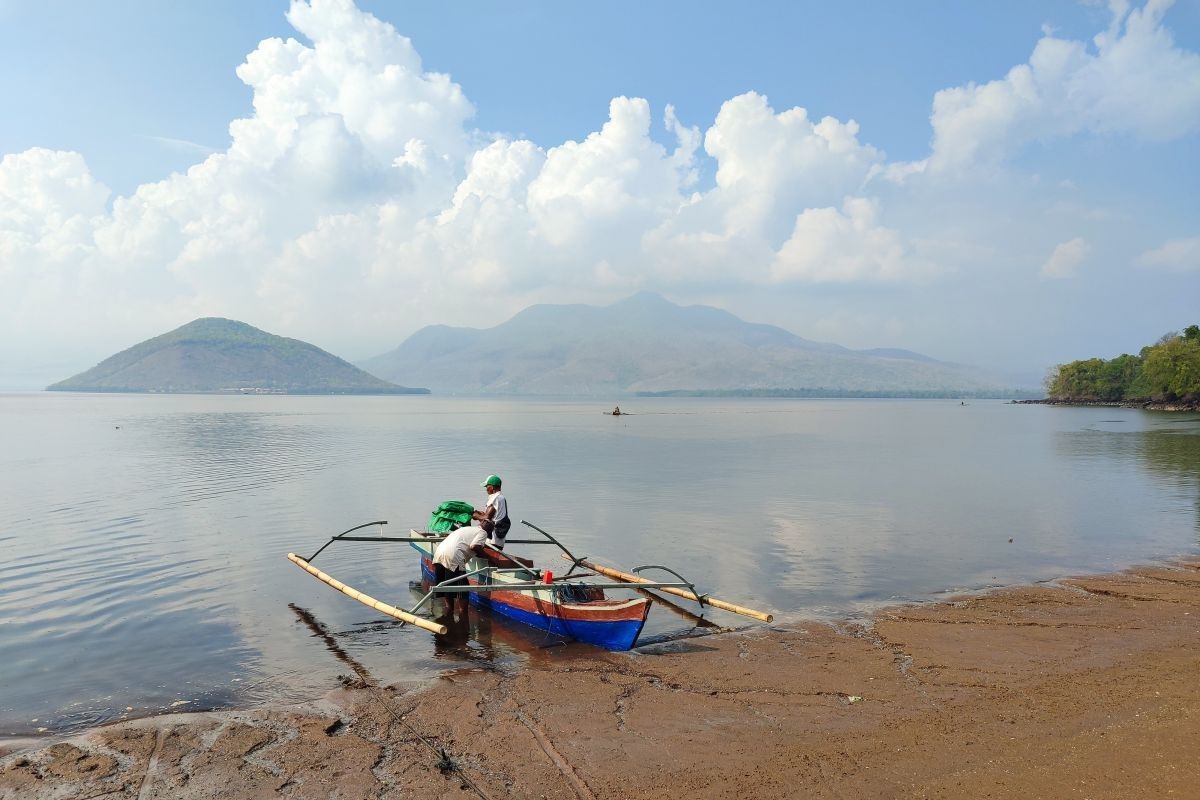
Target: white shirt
[
  {"x": 501, "y": 505},
  {"x": 453, "y": 551}
]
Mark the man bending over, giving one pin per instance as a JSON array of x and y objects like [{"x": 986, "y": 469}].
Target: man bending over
[{"x": 451, "y": 556}]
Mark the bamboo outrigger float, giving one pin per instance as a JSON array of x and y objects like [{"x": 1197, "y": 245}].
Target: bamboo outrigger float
[
  {"x": 366, "y": 599},
  {"x": 687, "y": 594},
  {"x": 515, "y": 588}
]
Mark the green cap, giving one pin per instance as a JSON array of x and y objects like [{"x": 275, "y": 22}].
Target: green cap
[{"x": 492, "y": 480}]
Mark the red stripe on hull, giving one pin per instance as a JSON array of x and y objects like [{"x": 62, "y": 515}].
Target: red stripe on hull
[
  {"x": 590, "y": 611},
  {"x": 595, "y": 611}
]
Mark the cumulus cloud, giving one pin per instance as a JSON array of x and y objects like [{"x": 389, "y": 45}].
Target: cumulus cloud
[
  {"x": 609, "y": 188},
  {"x": 1133, "y": 80},
  {"x": 45, "y": 190},
  {"x": 1177, "y": 255},
  {"x": 843, "y": 246},
  {"x": 771, "y": 164},
  {"x": 358, "y": 69},
  {"x": 1064, "y": 262},
  {"x": 356, "y": 202},
  {"x": 50, "y": 206},
  {"x": 347, "y": 124}
]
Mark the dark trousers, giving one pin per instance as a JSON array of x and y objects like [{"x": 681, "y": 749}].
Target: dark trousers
[
  {"x": 456, "y": 577},
  {"x": 441, "y": 575}
]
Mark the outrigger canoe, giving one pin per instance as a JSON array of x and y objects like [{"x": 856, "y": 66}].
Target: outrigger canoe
[
  {"x": 513, "y": 587},
  {"x": 574, "y": 610}
]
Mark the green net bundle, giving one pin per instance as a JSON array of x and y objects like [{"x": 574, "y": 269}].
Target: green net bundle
[{"x": 450, "y": 515}]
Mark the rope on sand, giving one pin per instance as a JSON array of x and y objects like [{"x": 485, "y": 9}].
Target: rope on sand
[{"x": 445, "y": 762}]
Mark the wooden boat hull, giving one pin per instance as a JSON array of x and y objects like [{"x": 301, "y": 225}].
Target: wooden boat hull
[{"x": 611, "y": 624}]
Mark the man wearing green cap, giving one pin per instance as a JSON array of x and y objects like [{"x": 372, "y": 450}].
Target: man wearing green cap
[{"x": 493, "y": 517}]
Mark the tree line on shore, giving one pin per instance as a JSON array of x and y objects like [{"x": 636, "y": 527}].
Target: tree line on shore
[{"x": 1165, "y": 372}]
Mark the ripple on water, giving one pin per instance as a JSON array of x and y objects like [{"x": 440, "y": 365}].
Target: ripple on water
[{"x": 144, "y": 570}]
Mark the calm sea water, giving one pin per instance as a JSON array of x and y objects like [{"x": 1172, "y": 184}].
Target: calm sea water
[{"x": 143, "y": 538}]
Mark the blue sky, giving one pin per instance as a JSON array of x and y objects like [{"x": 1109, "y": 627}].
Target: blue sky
[
  {"x": 1027, "y": 226},
  {"x": 121, "y": 71}
]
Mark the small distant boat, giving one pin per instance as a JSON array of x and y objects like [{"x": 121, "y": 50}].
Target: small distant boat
[{"x": 513, "y": 587}]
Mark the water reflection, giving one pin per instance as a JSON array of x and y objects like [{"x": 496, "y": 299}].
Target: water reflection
[
  {"x": 453, "y": 643},
  {"x": 322, "y": 633},
  {"x": 145, "y": 536},
  {"x": 476, "y": 635},
  {"x": 694, "y": 617},
  {"x": 1173, "y": 456},
  {"x": 1167, "y": 450}
]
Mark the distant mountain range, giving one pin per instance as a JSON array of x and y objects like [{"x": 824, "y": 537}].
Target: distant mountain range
[
  {"x": 646, "y": 344},
  {"x": 223, "y": 355}
]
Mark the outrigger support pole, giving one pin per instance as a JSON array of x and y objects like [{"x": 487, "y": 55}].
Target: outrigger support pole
[
  {"x": 343, "y": 533},
  {"x": 438, "y": 587},
  {"x": 700, "y": 598},
  {"x": 567, "y": 554},
  {"x": 342, "y": 537},
  {"x": 704, "y": 599}
]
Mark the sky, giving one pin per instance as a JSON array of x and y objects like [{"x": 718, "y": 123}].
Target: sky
[{"x": 1010, "y": 185}]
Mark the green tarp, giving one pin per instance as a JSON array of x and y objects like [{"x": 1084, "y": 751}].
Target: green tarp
[{"x": 449, "y": 515}]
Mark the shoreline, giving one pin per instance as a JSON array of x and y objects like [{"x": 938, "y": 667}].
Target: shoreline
[
  {"x": 1146, "y": 405},
  {"x": 1087, "y": 685}
]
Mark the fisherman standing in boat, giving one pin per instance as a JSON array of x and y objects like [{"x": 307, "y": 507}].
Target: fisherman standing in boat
[{"x": 493, "y": 517}]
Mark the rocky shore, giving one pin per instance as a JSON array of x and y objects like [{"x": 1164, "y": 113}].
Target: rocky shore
[
  {"x": 1148, "y": 405},
  {"x": 1088, "y": 687}
]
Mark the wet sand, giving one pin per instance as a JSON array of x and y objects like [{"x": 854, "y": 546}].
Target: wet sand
[{"x": 1087, "y": 688}]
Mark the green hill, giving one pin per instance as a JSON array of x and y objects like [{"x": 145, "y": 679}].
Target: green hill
[{"x": 223, "y": 355}]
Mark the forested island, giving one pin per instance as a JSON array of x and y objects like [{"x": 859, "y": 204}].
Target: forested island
[{"x": 1163, "y": 375}]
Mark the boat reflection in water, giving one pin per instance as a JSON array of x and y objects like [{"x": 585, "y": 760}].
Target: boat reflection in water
[{"x": 477, "y": 635}]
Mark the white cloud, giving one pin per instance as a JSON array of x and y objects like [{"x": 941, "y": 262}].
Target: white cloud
[
  {"x": 359, "y": 69},
  {"x": 1177, "y": 255},
  {"x": 356, "y": 202},
  {"x": 347, "y": 125},
  {"x": 1064, "y": 262},
  {"x": 41, "y": 190},
  {"x": 49, "y": 207},
  {"x": 609, "y": 188},
  {"x": 1133, "y": 81},
  {"x": 847, "y": 246},
  {"x": 770, "y": 165}
]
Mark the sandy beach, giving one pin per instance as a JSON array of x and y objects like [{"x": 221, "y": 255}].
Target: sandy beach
[{"x": 1084, "y": 688}]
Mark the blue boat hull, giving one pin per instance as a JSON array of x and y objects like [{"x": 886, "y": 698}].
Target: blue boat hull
[{"x": 608, "y": 634}]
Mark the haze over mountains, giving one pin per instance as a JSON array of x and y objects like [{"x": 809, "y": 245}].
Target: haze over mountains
[
  {"x": 643, "y": 344},
  {"x": 214, "y": 355},
  {"x": 648, "y": 344}
]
